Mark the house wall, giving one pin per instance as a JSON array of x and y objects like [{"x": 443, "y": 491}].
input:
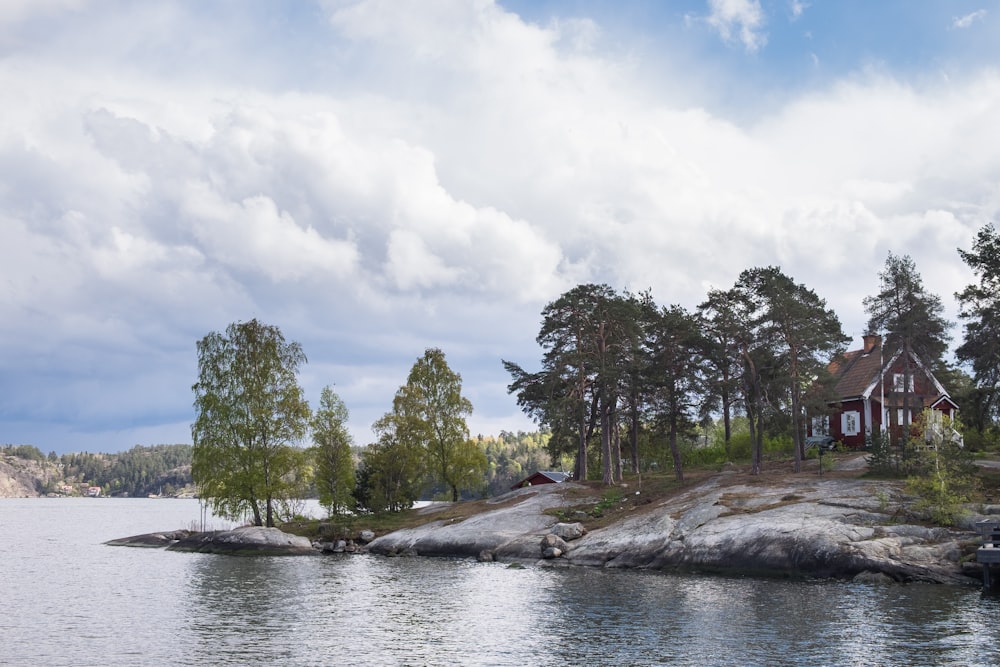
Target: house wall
[
  {"x": 849, "y": 426},
  {"x": 923, "y": 388}
]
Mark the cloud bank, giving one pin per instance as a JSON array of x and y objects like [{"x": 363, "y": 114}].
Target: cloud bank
[{"x": 376, "y": 178}]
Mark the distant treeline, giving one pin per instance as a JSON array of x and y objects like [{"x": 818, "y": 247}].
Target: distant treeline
[
  {"x": 140, "y": 471},
  {"x": 166, "y": 469}
]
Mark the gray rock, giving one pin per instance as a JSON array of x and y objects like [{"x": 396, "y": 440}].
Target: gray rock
[
  {"x": 366, "y": 536},
  {"x": 569, "y": 531},
  {"x": 150, "y": 540},
  {"x": 552, "y": 552},
  {"x": 823, "y": 527},
  {"x": 867, "y": 577},
  {"x": 485, "y": 556},
  {"x": 511, "y": 532},
  {"x": 246, "y": 541},
  {"x": 553, "y": 541}
]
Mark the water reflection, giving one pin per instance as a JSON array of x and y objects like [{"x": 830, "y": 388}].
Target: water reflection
[
  {"x": 247, "y": 610},
  {"x": 76, "y": 601}
]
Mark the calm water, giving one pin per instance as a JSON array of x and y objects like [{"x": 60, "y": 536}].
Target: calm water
[{"x": 69, "y": 600}]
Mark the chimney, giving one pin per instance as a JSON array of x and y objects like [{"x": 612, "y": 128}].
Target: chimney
[{"x": 872, "y": 341}]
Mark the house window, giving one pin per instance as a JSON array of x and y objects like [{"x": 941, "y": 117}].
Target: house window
[
  {"x": 897, "y": 382},
  {"x": 850, "y": 422},
  {"x": 821, "y": 425}
]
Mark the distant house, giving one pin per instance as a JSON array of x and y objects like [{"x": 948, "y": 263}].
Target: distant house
[
  {"x": 542, "y": 477},
  {"x": 870, "y": 394},
  {"x": 93, "y": 491}
]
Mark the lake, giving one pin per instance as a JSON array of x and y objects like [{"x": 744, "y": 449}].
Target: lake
[{"x": 70, "y": 600}]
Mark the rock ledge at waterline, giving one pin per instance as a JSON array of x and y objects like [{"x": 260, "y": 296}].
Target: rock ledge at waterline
[
  {"x": 801, "y": 526},
  {"x": 248, "y": 541},
  {"x": 817, "y": 528}
]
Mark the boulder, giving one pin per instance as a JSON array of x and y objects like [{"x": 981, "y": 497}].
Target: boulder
[
  {"x": 366, "y": 536},
  {"x": 867, "y": 577},
  {"x": 553, "y": 541},
  {"x": 246, "y": 541},
  {"x": 150, "y": 540},
  {"x": 511, "y": 531},
  {"x": 569, "y": 531}
]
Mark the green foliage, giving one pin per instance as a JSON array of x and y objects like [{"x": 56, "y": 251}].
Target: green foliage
[
  {"x": 250, "y": 412},
  {"x": 142, "y": 471},
  {"x": 713, "y": 455},
  {"x": 881, "y": 457},
  {"x": 980, "y": 309},
  {"x": 392, "y": 471},
  {"x": 611, "y": 499},
  {"x": 911, "y": 317},
  {"x": 588, "y": 337},
  {"x": 424, "y": 439},
  {"x": 944, "y": 482},
  {"x": 26, "y": 452},
  {"x": 513, "y": 456},
  {"x": 982, "y": 441},
  {"x": 334, "y": 474}
]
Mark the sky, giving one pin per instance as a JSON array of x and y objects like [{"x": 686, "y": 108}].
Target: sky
[{"x": 377, "y": 177}]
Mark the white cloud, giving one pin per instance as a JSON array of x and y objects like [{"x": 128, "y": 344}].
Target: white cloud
[
  {"x": 797, "y": 8},
  {"x": 434, "y": 190},
  {"x": 412, "y": 266},
  {"x": 962, "y": 22},
  {"x": 739, "y": 20},
  {"x": 12, "y": 11}
]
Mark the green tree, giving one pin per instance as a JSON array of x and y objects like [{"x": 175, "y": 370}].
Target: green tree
[
  {"x": 334, "y": 474},
  {"x": 431, "y": 412},
  {"x": 980, "y": 308},
  {"x": 588, "y": 335},
  {"x": 911, "y": 320},
  {"x": 392, "y": 469},
  {"x": 720, "y": 327},
  {"x": 785, "y": 338},
  {"x": 250, "y": 412},
  {"x": 674, "y": 375},
  {"x": 807, "y": 335}
]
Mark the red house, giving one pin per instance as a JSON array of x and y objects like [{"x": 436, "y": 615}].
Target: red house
[
  {"x": 542, "y": 477},
  {"x": 870, "y": 395}
]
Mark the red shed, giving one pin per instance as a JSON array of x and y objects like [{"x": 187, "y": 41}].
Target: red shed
[{"x": 542, "y": 477}]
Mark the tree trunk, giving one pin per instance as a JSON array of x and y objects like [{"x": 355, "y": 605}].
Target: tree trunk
[
  {"x": 675, "y": 451},
  {"x": 607, "y": 465},
  {"x": 616, "y": 443},
  {"x": 634, "y": 435},
  {"x": 797, "y": 429}
]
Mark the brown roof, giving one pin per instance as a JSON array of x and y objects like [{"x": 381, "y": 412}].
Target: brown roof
[{"x": 855, "y": 371}]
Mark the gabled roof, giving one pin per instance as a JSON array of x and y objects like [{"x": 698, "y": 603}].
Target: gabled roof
[
  {"x": 555, "y": 476},
  {"x": 859, "y": 372},
  {"x": 543, "y": 477}
]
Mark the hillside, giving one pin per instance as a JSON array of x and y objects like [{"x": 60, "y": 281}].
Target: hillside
[
  {"x": 25, "y": 478},
  {"x": 141, "y": 471}
]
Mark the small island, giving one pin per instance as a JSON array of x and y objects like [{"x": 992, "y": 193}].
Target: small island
[{"x": 840, "y": 524}]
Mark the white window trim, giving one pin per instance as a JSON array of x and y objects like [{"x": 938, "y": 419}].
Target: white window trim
[{"x": 850, "y": 422}]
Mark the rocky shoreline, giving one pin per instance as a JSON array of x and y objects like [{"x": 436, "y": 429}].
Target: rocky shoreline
[
  {"x": 842, "y": 528},
  {"x": 821, "y": 527}
]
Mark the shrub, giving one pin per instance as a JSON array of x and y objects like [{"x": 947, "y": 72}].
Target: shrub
[{"x": 945, "y": 479}]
